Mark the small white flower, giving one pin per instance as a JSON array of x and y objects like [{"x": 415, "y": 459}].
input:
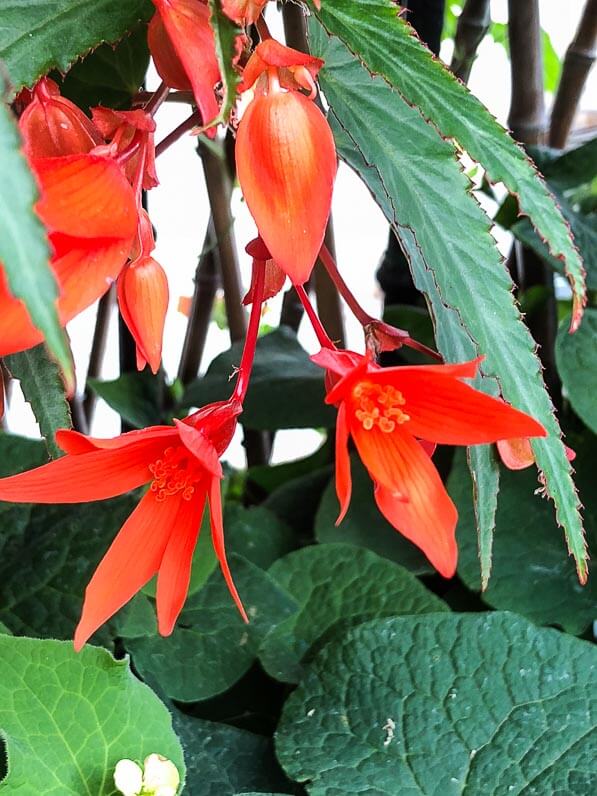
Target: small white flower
[
  {"x": 128, "y": 778},
  {"x": 161, "y": 777}
]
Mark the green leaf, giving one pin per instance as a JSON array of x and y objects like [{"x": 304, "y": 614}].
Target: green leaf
[
  {"x": 135, "y": 396},
  {"x": 37, "y": 36},
  {"x": 296, "y": 502},
  {"x": 228, "y": 37},
  {"x": 552, "y": 66},
  {"x": 109, "y": 76},
  {"x": 24, "y": 253},
  {"x": 447, "y": 704},
  {"x": 211, "y": 647},
  {"x": 576, "y": 360},
  {"x": 466, "y": 270},
  {"x": 257, "y": 534},
  {"x": 43, "y": 389},
  {"x": 383, "y": 42},
  {"x": 68, "y": 718},
  {"x": 286, "y": 389},
  {"x": 364, "y": 525},
  {"x": 223, "y": 760},
  {"x": 336, "y": 587},
  {"x": 574, "y": 168},
  {"x": 17, "y": 454},
  {"x": 531, "y": 572},
  {"x": 46, "y": 565}
]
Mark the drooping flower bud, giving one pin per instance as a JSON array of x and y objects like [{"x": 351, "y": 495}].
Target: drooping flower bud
[
  {"x": 121, "y": 128},
  {"x": 186, "y": 24},
  {"x": 286, "y": 158},
  {"x": 143, "y": 299},
  {"x": 52, "y": 125}
]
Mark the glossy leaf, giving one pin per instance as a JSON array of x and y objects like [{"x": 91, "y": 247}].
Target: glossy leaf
[
  {"x": 467, "y": 270},
  {"x": 37, "y": 36},
  {"x": 24, "y": 252},
  {"x": 211, "y": 647},
  {"x": 69, "y": 718},
  {"x": 135, "y": 396},
  {"x": 450, "y": 704},
  {"x": 576, "y": 358},
  {"x": 337, "y": 586},
  {"x": 531, "y": 572},
  {"x": 286, "y": 388}
]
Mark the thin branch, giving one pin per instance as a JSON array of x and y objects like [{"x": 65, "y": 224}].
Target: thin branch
[
  {"x": 194, "y": 120},
  {"x": 527, "y": 118},
  {"x": 98, "y": 348},
  {"x": 579, "y": 59},
  {"x": 473, "y": 24},
  {"x": 206, "y": 283},
  {"x": 157, "y": 98}
]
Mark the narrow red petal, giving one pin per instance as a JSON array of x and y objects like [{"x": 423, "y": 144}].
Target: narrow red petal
[
  {"x": 410, "y": 493},
  {"x": 131, "y": 561},
  {"x": 96, "y": 475},
  {"x": 343, "y": 477},
  {"x": 200, "y": 446},
  {"x": 175, "y": 569},
  {"x": 188, "y": 28},
  {"x": 164, "y": 55},
  {"x": 286, "y": 162},
  {"x": 74, "y": 442},
  {"x": 443, "y": 409},
  {"x": 217, "y": 536}
]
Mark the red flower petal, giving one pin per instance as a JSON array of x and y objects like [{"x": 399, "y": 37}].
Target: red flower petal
[
  {"x": 444, "y": 410},
  {"x": 143, "y": 301},
  {"x": 343, "y": 476},
  {"x": 188, "y": 28},
  {"x": 286, "y": 161},
  {"x": 410, "y": 493},
  {"x": 243, "y": 12},
  {"x": 175, "y": 568},
  {"x": 200, "y": 446},
  {"x": 217, "y": 537},
  {"x": 271, "y": 53},
  {"x": 96, "y": 475},
  {"x": 164, "y": 56},
  {"x": 131, "y": 561},
  {"x": 74, "y": 442}
]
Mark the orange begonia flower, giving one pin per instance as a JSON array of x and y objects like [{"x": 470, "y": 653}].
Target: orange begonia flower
[
  {"x": 124, "y": 129},
  {"x": 517, "y": 454},
  {"x": 186, "y": 23},
  {"x": 243, "y": 12},
  {"x": 286, "y": 157},
  {"x": 143, "y": 299},
  {"x": 387, "y": 411},
  {"x": 52, "y": 125},
  {"x": 182, "y": 466},
  {"x": 89, "y": 210}
]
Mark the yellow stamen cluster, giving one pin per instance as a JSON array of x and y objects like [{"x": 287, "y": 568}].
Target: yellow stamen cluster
[
  {"x": 174, "y": 473},
  {"x": 379, "y": 405}
]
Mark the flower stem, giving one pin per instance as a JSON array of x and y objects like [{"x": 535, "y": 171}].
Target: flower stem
[
  {"x": 246, "y": 362},
  {"x": 194, "y": 120},
  {"x": 158, "y": 96},
  {"x": 262, "y": 28},
  {"x": 330, "y": 266},
  {"x": 322, "y": 335}
]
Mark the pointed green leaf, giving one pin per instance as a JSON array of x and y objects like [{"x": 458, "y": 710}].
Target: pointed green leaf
[
  {"x": 68, "y": 718},
  {"x": 449, "y": 244},
  {"x": 37, "y": 36},
  {"x": 576, "y": 358},
  {"x": 43, "y": 389},
  {"x": 24, "y": 252},
  {"x": 375, "y": 33},
  {"x": 445, "y": 704}
]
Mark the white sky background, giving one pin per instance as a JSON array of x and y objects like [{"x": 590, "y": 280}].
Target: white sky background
[{"x": 179, "y": 209}]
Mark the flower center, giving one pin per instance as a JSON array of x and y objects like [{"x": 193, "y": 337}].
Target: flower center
[
  {"x": 379, "y": 405},
  {"x": 175, "y": 472}
]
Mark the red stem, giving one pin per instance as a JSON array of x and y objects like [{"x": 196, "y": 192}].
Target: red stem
[
  {"x": 262, "y": 29},
  {"x": 193, "y": 121},
  {"x": 246, "y": 362},
  {"x": 322, "y": 335},
  {"x": 158, "y": 96},
  {"x": 330, "y": 266}
]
